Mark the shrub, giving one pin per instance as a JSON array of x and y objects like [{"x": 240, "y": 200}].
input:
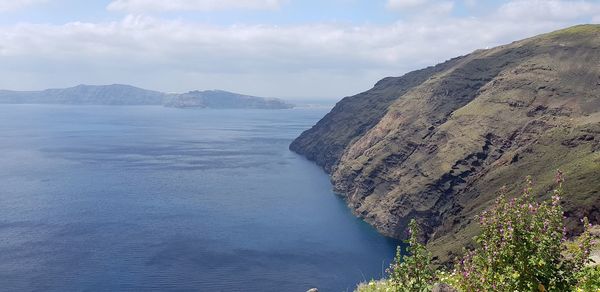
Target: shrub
[
  {"x": 589, "y": 279},
  {"x": 522, "y": 247},
  {"x": 376, "y": 286},
  {"x": 412, "y": 272}
]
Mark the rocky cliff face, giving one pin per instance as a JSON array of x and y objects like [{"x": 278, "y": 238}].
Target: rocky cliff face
[{"x": 436, "y": 144}]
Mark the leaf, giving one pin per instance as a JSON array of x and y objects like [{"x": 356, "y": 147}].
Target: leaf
[{"x": 516, "y": 275}]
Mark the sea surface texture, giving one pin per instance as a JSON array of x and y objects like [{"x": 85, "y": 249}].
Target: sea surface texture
[{"x": 100, "y": 198}]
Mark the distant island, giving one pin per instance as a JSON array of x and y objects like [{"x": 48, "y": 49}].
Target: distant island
[
  {"x": 220, "y": 99},
  {"x": 120, "y": 94}
]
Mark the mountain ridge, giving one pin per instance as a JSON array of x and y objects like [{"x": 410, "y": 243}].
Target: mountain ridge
[
  {"x": 437, "y": 144},
  {"x": 123, "y": 94}
]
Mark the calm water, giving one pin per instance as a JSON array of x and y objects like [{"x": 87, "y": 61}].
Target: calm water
[{"x": 150, "y": 198}]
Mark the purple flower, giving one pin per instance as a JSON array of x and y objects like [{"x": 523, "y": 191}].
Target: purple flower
[{"x": 559, "y": 177}]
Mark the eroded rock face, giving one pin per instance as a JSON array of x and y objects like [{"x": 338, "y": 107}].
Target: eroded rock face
[{"x": 438, "y": 143}]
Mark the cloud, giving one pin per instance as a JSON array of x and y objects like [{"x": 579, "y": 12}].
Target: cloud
[
  {"x": 548, "y": 9},
  {"x": 404, "y": 4},
  {"x": 12, "y": 5},
  {"x": 423, "y": 8},
  {"x": 191, "y": 5},
  {"x": 470, "y": 3},
  {"x": 311, "y": 60},
  {"x": 439, "y": 8}
]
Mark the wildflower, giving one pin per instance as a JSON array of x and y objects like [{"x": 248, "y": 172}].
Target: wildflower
[
  {"x": 518, "y": 234},
  {"x": 559, "y": 177}
]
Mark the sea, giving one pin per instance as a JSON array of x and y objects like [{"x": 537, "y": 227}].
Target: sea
[{"x": 148, "y": 198}]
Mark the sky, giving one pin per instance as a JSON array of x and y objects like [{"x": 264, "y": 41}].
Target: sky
[{"x": 292, "y": 49}]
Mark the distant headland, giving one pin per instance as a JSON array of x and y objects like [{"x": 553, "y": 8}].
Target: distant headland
[{"x": 120, "y": 94}]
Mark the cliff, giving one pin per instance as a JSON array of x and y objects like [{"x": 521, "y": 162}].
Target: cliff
[{"x": 437, "y": 144}]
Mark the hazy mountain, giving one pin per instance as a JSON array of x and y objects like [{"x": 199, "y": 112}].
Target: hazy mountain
[
  {"x": 220, "y": 99},
  {"x": 118, "y": 94},
  {"x": 437, "y": 144}
]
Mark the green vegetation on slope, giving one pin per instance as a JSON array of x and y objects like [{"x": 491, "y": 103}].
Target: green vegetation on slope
[
  {"x": 522, "y": 247},
  {"x": 435, "y": 145}
]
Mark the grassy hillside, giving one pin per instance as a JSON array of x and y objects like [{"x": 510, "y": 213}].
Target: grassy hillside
[{"x": 435, "y": 145}]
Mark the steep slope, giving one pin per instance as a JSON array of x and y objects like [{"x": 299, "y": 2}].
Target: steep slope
[
  {"x": 353, "y": 116},
  {"x": 437, "y": 144}
]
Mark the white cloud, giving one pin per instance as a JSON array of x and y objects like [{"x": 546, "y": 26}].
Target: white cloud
[
  {"x": 422, "y": 8},
  {"x": 439, "y": 8},
  {"x": 548, "y": 9},
  {"x": 404, "y": 4},
  {"x": 295, "y": 60},
  {"x": 12, "y": 5},
  {"x": 470, "y": 3},
  {"x": 191, "y": 5}
]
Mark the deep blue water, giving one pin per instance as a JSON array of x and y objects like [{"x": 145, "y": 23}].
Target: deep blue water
[{"x": 97, "y": 198}]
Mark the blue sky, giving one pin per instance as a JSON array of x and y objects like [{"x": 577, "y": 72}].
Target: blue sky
[
  {"x": 289, "y": 12},
  {"x": 281, "y": 48}
]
